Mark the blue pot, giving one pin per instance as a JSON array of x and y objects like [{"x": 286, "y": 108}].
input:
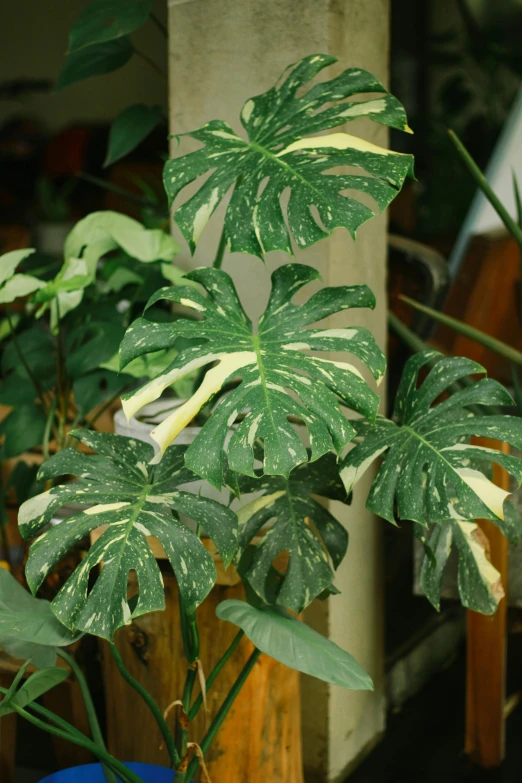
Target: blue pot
[{"x": 93, "y": 773}]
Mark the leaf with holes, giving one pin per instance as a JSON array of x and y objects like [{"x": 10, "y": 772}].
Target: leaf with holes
[
  {"x": 479, "y": 583},
  {"x": 431, "y": 472},
  {"x": 270, "y": 364},
  {"x": 314, "y": 540},
  {"x": 281, "y": 153},
  {"x": 108, "y": 20},
  {"x": 129, "y": 501},
  {"x": 289, "y": 641}
]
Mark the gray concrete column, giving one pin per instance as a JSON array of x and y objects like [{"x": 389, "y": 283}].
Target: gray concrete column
[{"x": 221, "y": 53}]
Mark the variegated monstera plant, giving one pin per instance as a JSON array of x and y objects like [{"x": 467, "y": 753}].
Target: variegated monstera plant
[{"x": 275, "y": 397}]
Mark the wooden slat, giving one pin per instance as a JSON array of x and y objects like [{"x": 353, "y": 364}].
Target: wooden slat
[{"x": 486, "y": 656}]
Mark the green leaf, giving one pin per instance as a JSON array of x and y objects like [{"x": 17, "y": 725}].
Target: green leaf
[
  {"x": 23, "y": 428},
  {"x": 28, "y": 628},
  {"x": 280, "y": 154},
  {"x": 94, "y": 61},
  {"x": 314, "y": 539},
  {"x": 107, "y": 20},
  {"x": 23, "y": 481},
  {"x": 35, "y": 686},
  {"x": 431, "y": 472},
  {"x": 287, "y": 640},
  {"x": 95, "y": 388},
  {"x": 270, "y": 364},
  {"x": 100, "y": 341},
  {"x": 130, "y": 128},
  {"x": 120, "y": 278},
  {"x": 18, "y": 286},
  {"x": 10, "y": 261},
  {"x": 133, "y": 501},
  {"x": 479, "y": 583}
]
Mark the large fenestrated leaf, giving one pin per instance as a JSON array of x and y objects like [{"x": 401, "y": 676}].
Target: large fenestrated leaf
[
  {"x": 28, "y": 628},
  {"x": 133, "y": 501},
  {"x": 314, "y": 540},
  {"x": 430, "y": 471},
  {"x": 479, "y": 583},
  {"x": 280, "y": 153},
  {"x": 289, "y": 641},
  {"x": 107, "y": 20},
  {"x": 270, "y": 364}
]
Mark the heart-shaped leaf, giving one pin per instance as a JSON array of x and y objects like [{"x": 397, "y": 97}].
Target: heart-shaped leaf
[
  {"x": 271, "y": 365},
  {"x": 28, "y": 628},
  {"x": 130, "y": 128},
  {"x": 280, "y": 154},
  {"x": 107, "y": 20},
  {"x": 134, "y": 502},
  {"x": 431, "y": 473},
  {"x": 314, "y": 539},
  {"x": 287, "y": 640},
  {"x": 94, "y": 61},
  {"x": 13, "y": 286}
]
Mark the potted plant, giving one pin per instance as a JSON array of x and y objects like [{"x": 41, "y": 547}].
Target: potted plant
[{"x": 260, "y": 383}]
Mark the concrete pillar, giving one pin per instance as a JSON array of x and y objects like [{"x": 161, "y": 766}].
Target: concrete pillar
[{"x": 221, "y": 53}]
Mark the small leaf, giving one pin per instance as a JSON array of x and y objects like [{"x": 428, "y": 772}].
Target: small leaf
[
  {"x": 35, "y": 686},
  {"x": 131, "y": 502},
  {"x": 10, "y": 261},
  {"x": 130, "y": 128},
  {"x": 430, "y": 471},
  {"x": 291, "y": 642},
  {"x": 281, "y": 154},
  {"x": 271, "y": 364},
  {"x": 94, "y": 61},
  {"x": 107, "y": 20}
]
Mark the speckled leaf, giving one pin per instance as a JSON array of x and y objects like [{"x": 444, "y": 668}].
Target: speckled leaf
[
  {"x": 479, "y": 583},
  {"x": 270, "y": 364},
  {"x": 430, "y": 471},
  {"x": 133, "y": 501},
  {"x": 289, "y": 641},
  {"x": 281, "y": 153},
  {"x": 314, "y": 539}
]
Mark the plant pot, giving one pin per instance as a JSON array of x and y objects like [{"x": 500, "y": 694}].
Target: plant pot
[{"x": 93, "y": 773}]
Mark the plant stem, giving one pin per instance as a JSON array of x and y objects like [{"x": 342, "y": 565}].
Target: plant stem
[
  {"x": 89, "y": 708},
  {"x": 150, "y": 63},
  {"x": 221, "y": 714},
  {"x": 159, "y": 24},
  {"x": 48, "y": 428},
  {"x": 149, "y": 701},
  {"x": 105, "y": 185},
  {"x": 190, "y": 637},
  {"x": 36, "y": 383},
  {"x": 214, "y": 673},
  {"x": 83, "y": 742},
  {"x": 511, "y": 225},
  {"x": 218, "y": 260}
]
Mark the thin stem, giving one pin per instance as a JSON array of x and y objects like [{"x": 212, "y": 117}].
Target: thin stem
[
  {"x": 150, "y": 63},
  {"x": 511, "y": 225},
  {"x": 83, "y": 742},
  {"x": 89, "y": 707},
  {"x": 218, "y": 260},
  {"x": 48, "y": 428},
  {"x": 222, "y": 713},
  {"x": 36, "y": 383},
  {"x": 61, "y": 374},
  {"x": 101, "y": 183},
  {"x": 214, "y": 673},
  {"x": 159, "y": 24},
  {"x": 149, "y": 701},
  {"x": 190, "y": 638}
]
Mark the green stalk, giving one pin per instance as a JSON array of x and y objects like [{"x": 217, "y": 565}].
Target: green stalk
[
  {"x": 149, "y": 701},
  {"x": 34, "y": 380},
  {"x": 48, "y": 428},
  {"x": 511, "y": 225},
  {"x": 190, "y": 638},
  {"x": 218, "y": 260},
  {"x": 159, "y": 24},
  {"x": 500, "y": 348},
  {"x": 150, "y": 62},
  {"x": 89, "y": 708},
  {"x": 221, "y": 714},
  {"x": 83, "y": 742},
  {"x": 214, "y": 673}
]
